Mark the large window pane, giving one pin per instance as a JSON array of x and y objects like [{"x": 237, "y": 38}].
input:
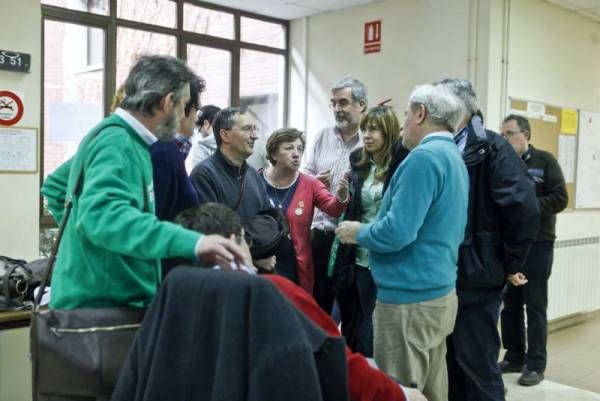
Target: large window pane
[
  {"x": 73, "y": 88},
  {"x": 261, "y": 87},
  {"x": 156, "y": 12},
  {"x": 208, "y": 22},
  {"x": 90, "y": 6},
  {"x": 214, "y": 65},
  {"x": 132, "y": 43},
  {"x": 262, "y": 33}
]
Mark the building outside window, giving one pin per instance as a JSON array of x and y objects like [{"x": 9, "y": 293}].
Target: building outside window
[{"x": 90, "y": 45}]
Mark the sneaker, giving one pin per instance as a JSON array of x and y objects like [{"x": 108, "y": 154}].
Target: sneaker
[
  {"x": 509, "y": 367},
  {"x": 530, "y": 378}
]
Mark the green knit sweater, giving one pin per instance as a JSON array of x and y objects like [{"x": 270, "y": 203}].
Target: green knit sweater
[{"x": 110, "y": 251}]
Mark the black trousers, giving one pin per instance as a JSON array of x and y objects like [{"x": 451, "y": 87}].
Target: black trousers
[
  {"x": 367, "y": 297},
  {"x": 473, "y": 348},
  {"x": 520, "y": 348},
  {"x": 323, "y": 292}
]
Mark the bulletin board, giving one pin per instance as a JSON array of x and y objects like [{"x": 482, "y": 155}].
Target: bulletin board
[
  {"x": 553, "y": 129},
  {"x": 588, "y": 161}
]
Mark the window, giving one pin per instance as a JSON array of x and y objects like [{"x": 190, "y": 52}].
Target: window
[
  {"x": 261, "y": 87},
  {"x": 263, "y": 33},
  {"x": 91, "y": 6},
  {"x": 73, "y": 92},
  {"x": 132, "y": 43},
  {"x": 73, "y": 99},
  {"x": 155, "y": 12},
  {"x": 208, "y": 22},
  {"x": 90, "y": 45},
  {"x": 214, "y": 65}
]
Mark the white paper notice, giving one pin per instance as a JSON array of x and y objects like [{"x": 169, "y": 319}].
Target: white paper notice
[
  {"x": 566, "y": 156},
  {"x": 536, "y": 109},
  {"x": 18, "y": 149}
]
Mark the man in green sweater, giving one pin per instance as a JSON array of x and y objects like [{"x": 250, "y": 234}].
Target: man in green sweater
[{"x": 112, "y": 243}]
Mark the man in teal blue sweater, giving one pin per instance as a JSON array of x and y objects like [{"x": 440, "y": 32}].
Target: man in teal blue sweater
[{"x": 414, "y": 245}]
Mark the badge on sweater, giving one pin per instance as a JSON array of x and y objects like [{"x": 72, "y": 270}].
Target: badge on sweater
[{"x": 300, "y": 209}]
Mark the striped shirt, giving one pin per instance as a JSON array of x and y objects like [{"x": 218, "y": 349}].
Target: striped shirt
[
  {"x": 460, "y": 138},
  {"x": 183, "y": 144},
  {"x": 330, "y": 152}
]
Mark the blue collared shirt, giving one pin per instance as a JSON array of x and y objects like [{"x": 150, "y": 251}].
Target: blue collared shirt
[{"x": 460, "y": 138}]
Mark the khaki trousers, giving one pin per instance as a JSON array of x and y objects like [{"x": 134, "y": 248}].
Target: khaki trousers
[{"x": 410, "y": 343}]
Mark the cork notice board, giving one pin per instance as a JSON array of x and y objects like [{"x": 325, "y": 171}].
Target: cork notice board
[{"x": 552, "y": 130}]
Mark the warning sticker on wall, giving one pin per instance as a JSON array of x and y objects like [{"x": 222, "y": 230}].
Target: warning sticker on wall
[{"x": 11, "y": 107}]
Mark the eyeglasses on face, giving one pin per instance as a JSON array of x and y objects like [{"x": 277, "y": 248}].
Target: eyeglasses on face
[
  {"x": 246, "y": 128},
  {"x": 343, "y": 104},
  {"x": 510, "y": 134}
]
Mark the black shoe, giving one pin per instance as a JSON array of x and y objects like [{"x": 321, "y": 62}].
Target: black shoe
[
  {"x": 509, "y": 367},
  {"x": 530, "y": 378}
]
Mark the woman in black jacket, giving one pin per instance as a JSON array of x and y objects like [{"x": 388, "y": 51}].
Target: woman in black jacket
[{"x": 371, "y": 166}]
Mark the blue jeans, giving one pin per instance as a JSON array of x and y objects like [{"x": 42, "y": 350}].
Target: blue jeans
[
  {"x": 529, "y": 350},
  {"x": 473, "y": 348},
  {"x": 367, "y": 295}
]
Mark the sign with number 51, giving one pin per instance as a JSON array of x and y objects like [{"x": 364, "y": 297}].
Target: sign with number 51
[{"x": 14, "y": 61}]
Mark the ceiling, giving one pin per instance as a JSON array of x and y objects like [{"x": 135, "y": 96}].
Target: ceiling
[
  {"x": 290, "y": 9},
  {"x": 587, "y": 8}
]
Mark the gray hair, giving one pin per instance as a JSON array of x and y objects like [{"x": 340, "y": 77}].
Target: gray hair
[
  {"x": 224, "y": 119},
  {"x": 359, "y": 90},
  {"x": 151, "y": 79},
  {"x": 463, "y": 89},
  {"x": 443, "y": 107}
]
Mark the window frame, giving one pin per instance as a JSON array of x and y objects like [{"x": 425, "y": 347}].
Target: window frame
[{"x": 109, "y": 23}]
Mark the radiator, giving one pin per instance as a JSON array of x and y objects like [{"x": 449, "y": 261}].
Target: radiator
[{"x": 574, "y": 285}]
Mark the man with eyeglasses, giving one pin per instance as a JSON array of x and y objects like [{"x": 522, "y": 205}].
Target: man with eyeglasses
[
  {"x": 526, "y": 353},
  {"x": 329, "y": 160},
  {"x": 225, "y": 177}
]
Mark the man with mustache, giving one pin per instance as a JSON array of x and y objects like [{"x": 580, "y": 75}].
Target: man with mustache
[
  {"x": 112, "y": 242},
  {"x": 225, "y": 177},
  {"x": 328, "y": 160}
]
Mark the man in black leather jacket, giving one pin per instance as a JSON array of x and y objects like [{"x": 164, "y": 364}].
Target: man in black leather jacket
[{"x": 502, "y": 223}]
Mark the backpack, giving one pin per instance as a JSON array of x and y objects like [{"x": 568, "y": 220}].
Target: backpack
[{"x": 16, "y": 284}]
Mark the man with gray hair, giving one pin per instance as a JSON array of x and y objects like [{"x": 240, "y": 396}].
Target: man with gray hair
[
  {"x": 414, "y": 243},
  {"x": 112, "y": 243},
  {"x": 502, "y": 223},
  {"x": 329, "y": 160}
]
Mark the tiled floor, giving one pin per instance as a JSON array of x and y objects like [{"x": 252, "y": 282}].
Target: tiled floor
[{"x": 573, "y": 372}]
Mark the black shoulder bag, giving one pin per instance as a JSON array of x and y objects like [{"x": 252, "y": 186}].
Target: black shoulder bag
[
  {"x": 78, "y": 354},
  {"x": 16, "y": 284}
]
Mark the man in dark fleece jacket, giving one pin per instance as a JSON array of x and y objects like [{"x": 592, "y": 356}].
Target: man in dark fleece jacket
[
  {"x": 226, "y": 177},
  {"x": 528, "y": 353}
]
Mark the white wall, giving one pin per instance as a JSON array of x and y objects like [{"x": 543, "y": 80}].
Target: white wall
[
  {"x": 554, "y": 57},
  {"x": 422, "y": 41},
  {"x": 526, "y": 49},
  {"x": 19, "y": 200}
]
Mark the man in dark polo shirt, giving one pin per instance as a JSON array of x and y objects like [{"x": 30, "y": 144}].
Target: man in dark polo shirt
[{"x": 527, "y": 353}]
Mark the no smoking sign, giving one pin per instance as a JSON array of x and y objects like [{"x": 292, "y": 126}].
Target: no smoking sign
[{"x": 11, "y": 108}]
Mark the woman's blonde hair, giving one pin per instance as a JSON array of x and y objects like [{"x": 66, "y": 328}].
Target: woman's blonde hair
[
  {"x": 117, "y": 98},
  {"x": 381, "y": 118}
]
